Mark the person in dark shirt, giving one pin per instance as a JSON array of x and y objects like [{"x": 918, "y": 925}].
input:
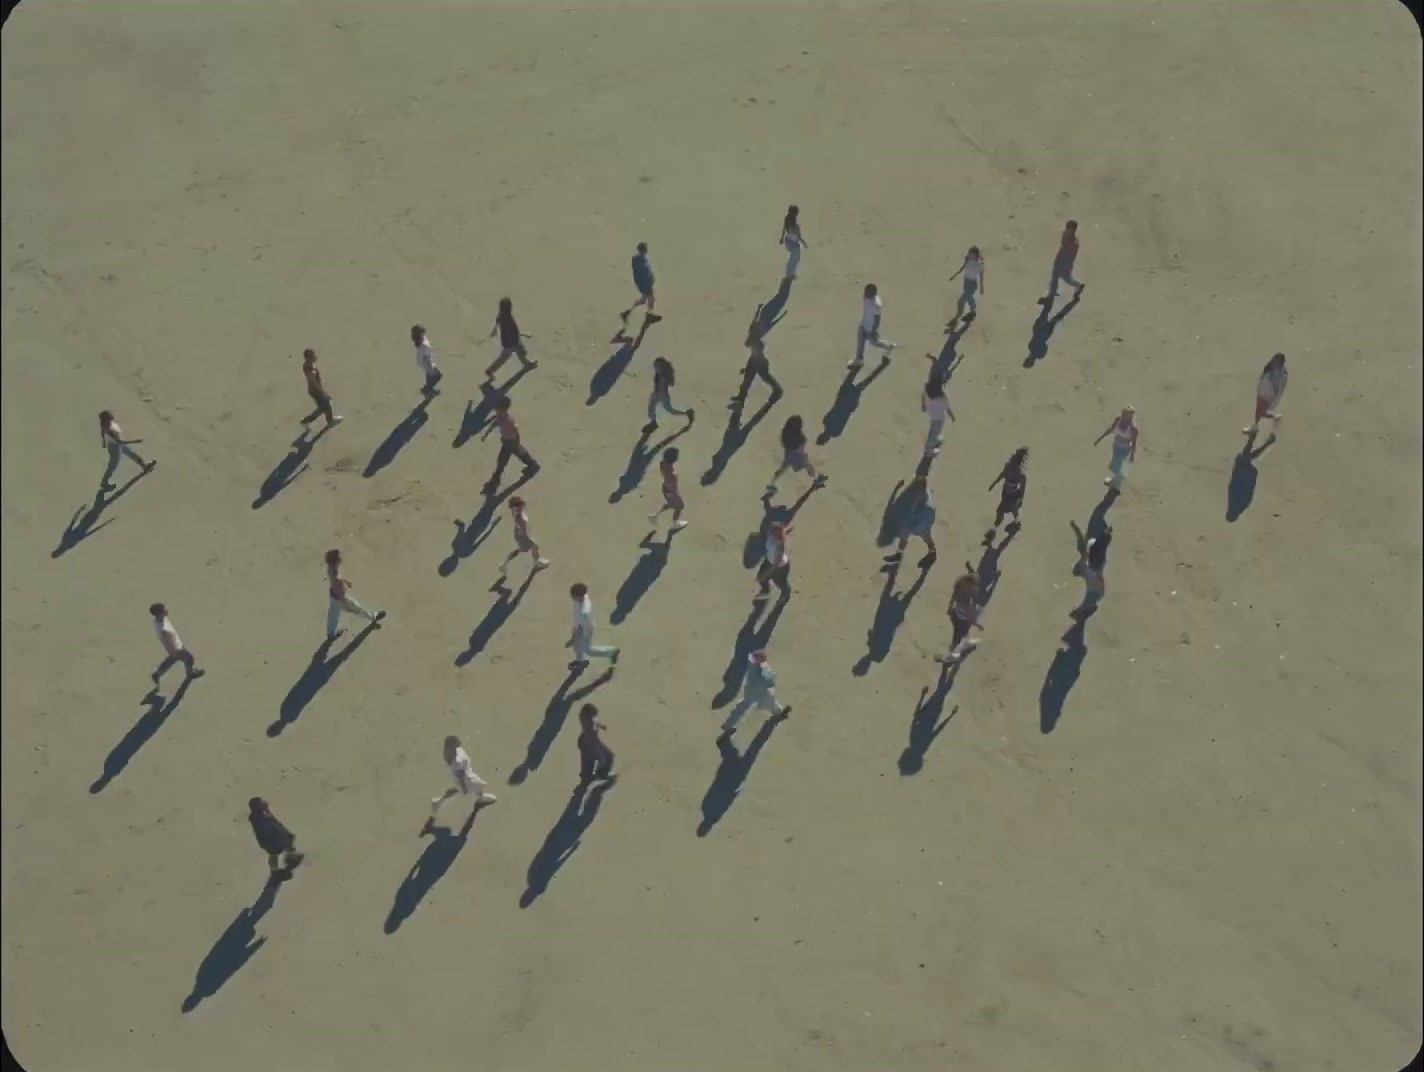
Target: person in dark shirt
[
  {"x": 595, "y": 757},
  {"x": 758, "y": 365},
  {"x": 317, "y": 391},
  {"x": 511, "y": 339},
  {"x": 642, "y": 279},
  {"x": 273, "y": 838}
]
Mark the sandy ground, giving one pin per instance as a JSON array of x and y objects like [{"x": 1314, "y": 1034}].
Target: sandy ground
[{"x": 1191, "y": 842}]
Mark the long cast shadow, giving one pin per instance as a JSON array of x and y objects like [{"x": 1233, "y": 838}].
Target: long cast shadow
[
  {"x": 925, "y": 723},
  {"x": 751, "y": 637},
  {"x": 400, "y": 435},
  {"x": 1062, "y": 675},
  {"x": 563, "y": 839},
  {"x": 948, "y": 360},
  {"x": 734, "y": 437},
  {"x": 1043, "y": 329},
  {"x": 318, "y": 672},
  {"x": 479, "y": 416},
  {"x": 555, "y": 714},
  {"x": 233, "y": 949},
  {"x": 81, "y": 523},
  {"x": 289, "y": 468},
  {"x": 988, "y": 570},
  {"x": 897, "y": 506},
  {"x": 643, "y": 576},
  {"x": 889, "y": 615},
  {"x": 429, "y": 869},
  {"x": 149, "y": 723},
  {"x": 469, "y": 535},
  {"x": 847, "y": 401},
  {"x": 501, "y": 610},
  {"x": 607, "y": 374},
  {"x": 1242, "y": 488},
  {"x": 731, "y": 775},
  {"x": 640, "y": 459},
  {"x": 773, "y": 310}
]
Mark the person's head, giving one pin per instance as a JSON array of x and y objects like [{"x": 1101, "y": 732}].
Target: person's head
[
  {"x": 974, "y": 254},
  {"x": 308, "y": 355},
  {"x": 1071, "y": 227},
  {"x": 579, "y": 592},
  {"x": 501, "y": 404},
  {"x": 792, "y": 427},
  {"x": 1127, "y": 414},
  {"x": 759, "y": 657},
  {"x": 333, "y": 558},
  {"x": 506, "y": 307},
  {"x": 934, "y": 386},
  {"x": 643, "y": 248},
  {"x": 1018, "y": 458},
  {"x": 417, "y": 334},
  {"x": 670, "y": 456},
  {"x": 516, "y": 503},
  {"x": 1278, "y": 361},
  {"x": 587, "y": 713},
  {"x": 792, "y": 211},
  {"x": 451, "y": 743},
  {"x": 871, "y": 290},
  {"x": 664, "y": 366},
  {"x": 257, "y": 806},
  {"x": 967, "y": 585},
  {"x": 106, "y": 417},
  {"x": 158, "y": 610}
]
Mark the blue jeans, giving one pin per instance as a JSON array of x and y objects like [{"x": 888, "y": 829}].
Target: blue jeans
[
  {"x": 967, "y": 298},
  {"x": 1119, "y": 459},
  {"x": 793, "y": 257},
  {"x": 116, "y": 452},
  {"x": 663, "y": 399}
]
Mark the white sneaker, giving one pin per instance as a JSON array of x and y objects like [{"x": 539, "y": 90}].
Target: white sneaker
[
  {"x": 678, "y": 526},
  {"x": 486, "y": 798},
  {"x": 541, "y": 563},
  {"x": 653, "y": 519}
]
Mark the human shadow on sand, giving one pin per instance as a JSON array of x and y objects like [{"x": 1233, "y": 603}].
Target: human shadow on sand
[
  {"x": 445, "y": 844},
  {"x": 479, "y": 416},
  {"x": 608, "y": 373},
  {"x": 1242, "y": 488},
  {"x": 1062, "y": 674},
  {"x": 470, "y": 535},
  {"x": 1043, "y": 329},
  {"x": 734, "y": 437},
  {"x": 925, "y": 723},
  {"x": 897, "y": 506},
  {"x": 641, "y": 458},
  {"x": 318, "y": 672},
  {"x": 754, "y": 635},
  {"x": 399, "y": 436},
  {"x": 555, "y": 713},
  {"x": 234, "y": 948},
  {"x": 290, "y": 467},
  {"x": 847, "y": 401},
  {"x": 81, "y": 523},
  {"x": 889, "y": 616},
  {"x": 563, "y": 838},
  {"x": 644, "y": 575},
  {"x": 732, "y": 774},
  {"x": 948, "y": 360},
  {"x": 988, "y": 570},
  {"x": 500, "y": 611},
  {"x": 139, "y": 734},
  {"x": 772, "y": 311}
]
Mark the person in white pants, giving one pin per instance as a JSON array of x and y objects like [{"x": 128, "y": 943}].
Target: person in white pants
[
  {"x": 340, "y": 598},
  {"x": 467, "y": 782},
  {"x": 582, "y": 639},
  {"x": 425, "y": 359},
  {"x": 758, "y": 690},
  {"x": 792, "y": 239},
  {"x": 871, "y": 311}
]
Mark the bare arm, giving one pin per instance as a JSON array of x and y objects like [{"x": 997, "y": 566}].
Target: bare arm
[
  {"x": 1106, "y": 432},
  {"x": 995, "y": 481},
  {"x": 1132, "y": 454}
]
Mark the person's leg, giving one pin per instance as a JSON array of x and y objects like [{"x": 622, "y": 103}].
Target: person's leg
[
  {"x": 881, "y": 344},
  {"x": 333, "y": 617},
  {"x": 763, "y": 577},
  {"x": 114, "y": 456},
  {"x": 504, "y": 355},
  {"x": 435, "y": 802},
  {"x": 274, "y": 864},
  {"x": 782, "y": 577},
  {"x": 506, "y": 451},
  {"x": 525, "y": 457},
  {"x": 190, "y": 666},
  {"x": 605, "y": 761},
  {"x": 666, "y": 402},
  {"x": 765, "y": 373},
  {"x": 860, "y": 339},
  {"x": 749, "y": 373},
  {"x": 677, "y": 507},
  {"x": 356, "y": 608},
  {"x": 601, "y": 651},
  {"x": 729, "y": 725},
  {"x": 1115, "y": 467},
  {"x": 935, "y": 437},
  {"x": 652, "y": 424},
  {"x": 504, "y": 566},
  {"x": 164, "y": 666},
  {"x": 581, "y": 645},
  {"x": 793, "y": 258}
]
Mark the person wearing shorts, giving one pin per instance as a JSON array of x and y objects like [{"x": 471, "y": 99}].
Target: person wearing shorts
[
  {"x": 523, "y": 539},
  {"x": 174, "y": 650},
  {"x": 1015, "y": 480},
  {"x": 672, "y": 497},
  {"x": 793, "y": 455},
  {"x": 919, "y": 521},
  {"x": 467, "y": 782}
]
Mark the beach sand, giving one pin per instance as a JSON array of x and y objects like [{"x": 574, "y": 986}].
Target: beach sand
[{"x": 1190, "y": 841}]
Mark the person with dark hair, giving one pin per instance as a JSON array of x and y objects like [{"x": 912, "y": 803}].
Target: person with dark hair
[
  {"x": 775, "y": 565},
  {"x": 523, "y": 540},
  {"x": 919, "y": 521},
  {"x": 643, "y": 280},
  {"x": 664, "y": 377},
  {"x": 793, "y": 455},
  {"x": 1270, "y": 389},
  {"x": 339, "y": 598},
  {"x": 1093, "y": 567},
  {"x": 582, "y": 639},
  {"x": 511, "y": 339},
  {"x": 1063, "y": 262},
  {"x": 1015, "y": 480},
  {"x": 672, "y": 498},
  {"x": 509, "y": 446},
  {"x": 595, "y": 757},
  {"x": 872, "y": 310},
  {"x": 757, "y": 366},
  {"x": 174, "y": 650},
  {"x": 274, "y": 839},
  {"x": 964, "y": 611},
  {"x": 112, "y": 437},
  {"x": 425, "y": 359},
  {"x": 973, "y": 271},
  {"x": 317, "y": 391},
  {"x": 792, "y": 239}
]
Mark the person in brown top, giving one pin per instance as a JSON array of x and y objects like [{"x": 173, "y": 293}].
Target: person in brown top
[
  {"x": 340, "y": 598},
  {"x": 317, "y": 391},
  {"x": 509, "y": 446}
]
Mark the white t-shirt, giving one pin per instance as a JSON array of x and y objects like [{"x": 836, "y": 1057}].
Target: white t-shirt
[
  {"x": 1271, "y": 386},
  {"x": 424, "y": 355},
  {"x": 463, "y": 771},
  {"x": 776, "y": 553},
  {"x": 936, "y": 408},
  {"x": 167, "y": 636},
  {"x": 583, "y": 616},
  {"x": 114, "y": 434},
  {"x": 871, "y": 310},
  {"x": 973, "y": 270}
]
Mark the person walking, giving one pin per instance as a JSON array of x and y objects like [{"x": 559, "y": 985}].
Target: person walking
[
  {"x": 973, "y": 271},
  {"x": 511, "y": 340},
  {"x": 582, "y": 639},
  {"x": 274, "y": 839},
  {"x": 672, "y": 498},
  {"x": 467, "y": 782},
  {"x": 964, "y": 612},
  {"x": 1093, "y": 567},
  {"x": 919, "y": 521},
  {"x": 664, "y": 377},
  {"x": 1270, "y": 389},
  {"x": 775, "y": 565},
  {"x": 174, "y": 650},
  {"x": 644, "y": 281},
  {"x": 425, "y": 359},
  {"x": 872, "y": 309},
  {"x": 758, "y": 690},
  {"x": 757, "y": 366},
  {"x": 510, "y": 446},
  {"x": 595, "y": 757},
  {"x": 339, "y": 598},
  {"x": 1014, "y": 477},
  {"x": 1063, "y": 262},
  {"x": 1124, "y": 434},
  {"x": 523, "y": 540},
  {"x": 794, "y": 456},
  {"x": 935, "y": 406},
  {"x": 792, "y": 239},
  {"x": 112, "y": 437},
  {"x": 317, "y": 391}
]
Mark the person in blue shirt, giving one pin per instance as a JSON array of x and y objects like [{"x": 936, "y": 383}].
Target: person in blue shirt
[{"x": 643, "y": 280}]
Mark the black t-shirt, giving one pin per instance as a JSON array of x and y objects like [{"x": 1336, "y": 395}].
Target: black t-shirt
[{"x": 508, "y": 332}]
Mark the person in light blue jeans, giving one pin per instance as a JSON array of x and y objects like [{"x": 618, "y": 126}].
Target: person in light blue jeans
[
  {"x": 112, "y": 436},
  {"x": 1124, "y": 432},
  {"x": 973, "y": 271},
  {"x": 792, "y": 239},
  {"x": 758, "y": 690},
  {"x": 664, "y": 376}
]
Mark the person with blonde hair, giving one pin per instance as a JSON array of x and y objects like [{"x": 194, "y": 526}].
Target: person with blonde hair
[{"x": 1124, "y": 448}]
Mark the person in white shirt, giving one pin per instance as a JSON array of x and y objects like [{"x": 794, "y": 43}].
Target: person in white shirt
[
  {"x": 935, "y": 406},
  {"x": 1270, "y": 389},
  {"x": 112, "y": 437},
  {"x": 775, "y": 566},
  {"x": 582, "y": 638},
  {"x": 973, "y": 270},
  {"x": 523, "y": 539},
  {"x": 173, "y": 649},
  {"x": 425, "y": 358},
  {"x": 467, "y": 782},
  {"x": 793, "y": 240},
  {"x": 871, "y": 311}
]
